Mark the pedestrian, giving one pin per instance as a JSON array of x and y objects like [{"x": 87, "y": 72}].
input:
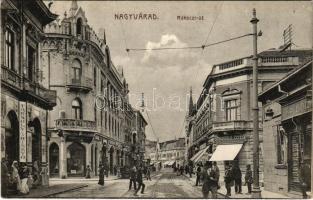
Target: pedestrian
[
  {"x": 198, "y": 174},
  {"x": 36, "y": 176},
  {"x": 101, "y": 175},
  {"x": 88, "y": 171},
  {"x": 132, "y": 178},
  {"x": 217, "y": 171},
  {"x": 237, "y": 177},
  {"x": 139, "y": 181},
  {"x": 148, "y": 174},
  {"x": 190, "y": 170},
  {"x": 181, "y": 170},
  {"x": 115, "y": 170},
  {"x": 16, "y": 181},
  {"x": 24, "y": 174},
  {"x": 186, "y": 169},
  {"x": 304, "y": 178},
  {"x": 4, "y": 178},
  {"x": 213, "y": 183},
  {"x": 228, "y": 179},
  {"x": 248, "y": 178}
]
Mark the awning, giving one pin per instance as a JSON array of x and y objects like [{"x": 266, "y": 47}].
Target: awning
[
  {"x": 202, "y": 154},
  {"x": 165, "y": 162},
  {"x": 226, "y": 152},
  {"x": 196, "y": 155}
]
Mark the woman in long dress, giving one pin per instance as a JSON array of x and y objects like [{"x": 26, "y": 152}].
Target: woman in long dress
[
  {"x": 16, "y": 177},
  {"x": 24, "y": 178},
  {"x": 101, "y": 175}
]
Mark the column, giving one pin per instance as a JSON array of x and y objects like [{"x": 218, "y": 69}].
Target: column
[{"x": 63, "y": 171}]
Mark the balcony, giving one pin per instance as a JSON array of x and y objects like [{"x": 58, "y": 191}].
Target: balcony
[
  {"x": 76, "y": 125},
  {"x": 84, "y": 84},
  {"x": 36, "y": 89},
  {"x": 232, "y": 126},
  {"x": 10, "y": 77}
]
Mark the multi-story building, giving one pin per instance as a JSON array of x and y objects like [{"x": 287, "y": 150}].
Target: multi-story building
[
  {"x": 287, "y": 133},
  {"x": 150, "y": 151},
  {"x": 24, "y": 99},
  {"x": 91, "y": 123},
  {"x": 138, "y": 137},
  {"x": 172, "y": 152},
  {"x": 223, "y": 118}
]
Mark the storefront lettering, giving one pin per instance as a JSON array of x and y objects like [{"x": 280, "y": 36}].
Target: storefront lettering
[{"x": 22, "y": 127}]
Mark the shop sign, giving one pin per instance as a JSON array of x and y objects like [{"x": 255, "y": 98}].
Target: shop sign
[
  {"x": 113, "y": 143},
  {"x": 22, "y": 135}
]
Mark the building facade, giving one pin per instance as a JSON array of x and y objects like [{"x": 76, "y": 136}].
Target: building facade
[
  {"x": 287, "y": 132},
  {"x": 25, "y": 101},
  {"x": 172, "y": 152},
  {"x": 223, "y": 118},
  {"x": 92, "y": 122},
  {"x": 138, "y": 138}
]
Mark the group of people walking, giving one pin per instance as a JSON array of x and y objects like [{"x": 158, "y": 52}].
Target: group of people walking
[
  {"x": 209, "y": 175},
  {"x": 18, "y": 178},
  {"x": 136, "y": 178}
]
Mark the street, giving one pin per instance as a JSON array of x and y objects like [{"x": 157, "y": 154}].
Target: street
[{"x": 166, "y": 184}]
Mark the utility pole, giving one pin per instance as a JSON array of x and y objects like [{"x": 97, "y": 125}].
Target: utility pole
[{"x": 256, "y": 192}]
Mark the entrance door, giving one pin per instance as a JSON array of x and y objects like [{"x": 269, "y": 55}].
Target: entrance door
[
  {"x": 76, "y": 159},
  {"x": 11, "y": 141},
  {"x": 36, "y": 137},
  {"x": 54, "y": 160}
]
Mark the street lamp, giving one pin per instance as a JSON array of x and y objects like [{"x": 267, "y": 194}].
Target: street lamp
[{"x": 256, "y": 192}]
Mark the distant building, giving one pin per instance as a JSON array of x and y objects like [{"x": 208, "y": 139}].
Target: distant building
[
  {"x": 222, "y": 123},
  {"x": 139, "y": 137},
  {"x": 25, "y": 100},
  {"x": 172, "y": 152},
  {"x": 287, "y": 132}
]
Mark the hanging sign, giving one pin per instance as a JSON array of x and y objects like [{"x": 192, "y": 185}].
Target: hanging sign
[{"x": 22, "y": 135}]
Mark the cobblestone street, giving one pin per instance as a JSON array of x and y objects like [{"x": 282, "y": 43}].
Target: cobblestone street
[{"x": 164, "y": 185}]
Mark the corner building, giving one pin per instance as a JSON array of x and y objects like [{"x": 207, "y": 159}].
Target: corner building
[
  {"x": 222, "y": 126},
  {"x": 88, "y": 126}
]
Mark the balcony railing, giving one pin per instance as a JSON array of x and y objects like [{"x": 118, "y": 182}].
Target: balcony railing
[
  {"x": 11, "y": 77},
  {"x": 82, "y": 84},
  {"x": 232, "y": 125},
  {"x": 76, "y": 124},
  {"x": 38, "y": 90}
]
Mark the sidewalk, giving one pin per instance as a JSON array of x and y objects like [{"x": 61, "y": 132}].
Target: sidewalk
[
  {"x": 41, "y": 192},
  {"x": 222, "y": 191}
]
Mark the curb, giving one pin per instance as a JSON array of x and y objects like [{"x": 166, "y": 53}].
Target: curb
[{"x": 60, "y": 192}]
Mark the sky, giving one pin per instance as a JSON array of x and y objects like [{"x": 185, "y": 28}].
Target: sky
[{"x": 165, "y": 77}]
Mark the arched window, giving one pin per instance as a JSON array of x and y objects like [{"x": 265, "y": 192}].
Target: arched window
[
  {"x": 79, "y": 26},
  {"x": 77, "y": 71},
  {"x": 77, "y": 109}
]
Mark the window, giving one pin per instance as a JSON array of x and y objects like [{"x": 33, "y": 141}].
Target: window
[
  {"x": 79, "y": 26},
  {"x": 231, "y": 109},
  {"x": 77, "y": 109},
  {"x": 31, "y": 63},
  {"x": 281, "y": 141},
  {"x": 76, "y": 70},
  {"x": 9, "y": 49},
  {"x": 95, "y": 77}
]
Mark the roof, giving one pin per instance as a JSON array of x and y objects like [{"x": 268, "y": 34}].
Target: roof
[
  {"x": 46, "y": 16},
  {"x": 286, "y": 53},
  {"x": 287, "y": 77}
]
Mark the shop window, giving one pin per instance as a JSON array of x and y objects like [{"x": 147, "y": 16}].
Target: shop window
[
  {"x": 9, "y": 49},
  {"x": 77, "y": 109}
]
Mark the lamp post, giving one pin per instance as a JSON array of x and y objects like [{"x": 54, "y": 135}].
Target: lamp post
[{"x": 256, "y": 192}]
